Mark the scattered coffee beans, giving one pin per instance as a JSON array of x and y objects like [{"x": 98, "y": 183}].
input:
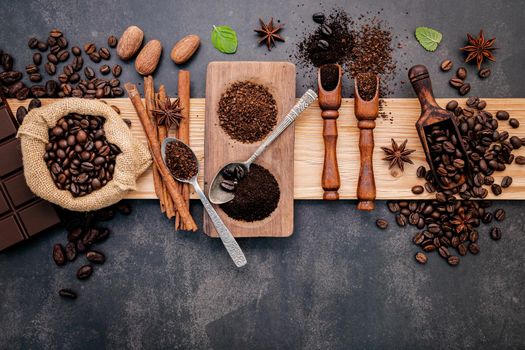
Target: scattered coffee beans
[
  {"x": 382, "y": 224},
  {"x": 67, "y": 293},
  {"x": 446, "y": 65}
]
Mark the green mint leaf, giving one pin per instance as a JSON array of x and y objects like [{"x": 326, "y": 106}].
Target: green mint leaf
[
  {"x": 224, "y": 39},
  {"x": 428, "y": 38}
]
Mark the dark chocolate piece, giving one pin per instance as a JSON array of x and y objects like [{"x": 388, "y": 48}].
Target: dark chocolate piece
[{"x": 22, "y": 214}]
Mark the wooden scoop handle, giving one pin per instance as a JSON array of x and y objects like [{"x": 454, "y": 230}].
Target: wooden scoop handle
[
  {"x": 366, "y": 185},
  {"x": 330, "y": 179}
]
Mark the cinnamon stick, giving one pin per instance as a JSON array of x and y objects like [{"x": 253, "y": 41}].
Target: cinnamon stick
[
  {"x": 163, "y": 133},
  {"x": 149, "y": 93},
  {"x": 154, "y": 146},
  {"x": 184, "y": 127}
]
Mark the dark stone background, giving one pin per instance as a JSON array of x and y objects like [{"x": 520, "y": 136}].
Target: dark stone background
[{"x": 336, "y": 283}]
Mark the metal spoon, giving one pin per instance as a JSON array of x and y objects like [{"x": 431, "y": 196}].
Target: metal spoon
[
  {"x": 226, "y": 236},
  {"x": 216, "y": 193}
]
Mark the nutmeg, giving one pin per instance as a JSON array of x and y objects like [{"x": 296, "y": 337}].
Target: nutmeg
[
  {"x": 130, "y": 42},
  {"x": 185, "y": 48},
  {"x": 149, "y": 57}
]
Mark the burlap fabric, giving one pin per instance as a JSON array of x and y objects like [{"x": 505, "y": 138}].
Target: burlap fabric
[{"x": 130, "y": 164}]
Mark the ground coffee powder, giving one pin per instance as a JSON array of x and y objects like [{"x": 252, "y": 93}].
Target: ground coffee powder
[
  {"x": 256, "y": 196},
  {"x": 247, "y": 111},
  {"x": 181, "y": 161},
  {"x": 329, "y": 76},
  {"x": 366, "y": 84}
]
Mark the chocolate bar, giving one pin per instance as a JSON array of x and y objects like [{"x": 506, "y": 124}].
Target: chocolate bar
[{"x": 22, "y": 214}]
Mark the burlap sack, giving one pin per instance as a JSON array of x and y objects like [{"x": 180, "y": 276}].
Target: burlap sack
[{"x": 130, "y": 164}]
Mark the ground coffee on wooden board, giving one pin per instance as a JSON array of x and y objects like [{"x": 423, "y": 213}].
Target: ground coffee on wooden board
[
  {"x": 181, "y": 161},
  {"x": 256, "y": 196},
  {"x": 247, "y": 111}
]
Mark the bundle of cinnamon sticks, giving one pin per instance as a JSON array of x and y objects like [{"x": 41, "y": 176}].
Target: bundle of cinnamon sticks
[{"x": 174, "y": 196}]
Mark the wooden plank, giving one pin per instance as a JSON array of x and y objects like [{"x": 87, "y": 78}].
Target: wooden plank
[
  {"x": 309, "y": 147},
  {"x": 220, "y": 149}
]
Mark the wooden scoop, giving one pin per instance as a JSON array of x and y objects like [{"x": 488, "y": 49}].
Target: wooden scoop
[
  {"x": 366, "y": 113},
  {"x": 330, "y": 101},
  {"x": 432, "y": 115}
]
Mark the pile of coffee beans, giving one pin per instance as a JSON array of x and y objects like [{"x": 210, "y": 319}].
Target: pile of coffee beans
[
  {"x": 256, "y": 196},
  {"x": 84, "y": 234},
  {"x": 69, "y": 81},
  {"x": 458, "y": 81},
  {"x": 450, "y": 225},
  {"x": 232, "y": 174},
  {"x": 247, "y": 111},
  {"x": 78, "y": 155},
  {"x": 181, "y": 161}
]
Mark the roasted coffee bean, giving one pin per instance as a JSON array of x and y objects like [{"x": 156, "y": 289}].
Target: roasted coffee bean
[
  {"x": 484, "y": 73},
  {"x": 453, "y": 260},
  {"x": 462, "y": 249},
  {"x": 104, "y": 69},
  {"x": 67, "y": 293},
  {"x": 63, "y": 55},
  {"x": 506, "y": 181},
  {"x": 443, "y": 251},
  {"x": 393, "y": 207},
  {"x": 95, "y": 57},
  {"x": 421, "y": 172},
  {"x": 84, "y": 272},
  {"x": 42, "y": 46},
  {"x": 496, "y": 189},
  {"x": 58, "y": 254},
  {"x": 456, "y": 82},
  {"x": 74, "y": 234},
  {"x": 520, "y": 160},
  {"x": 51, "y": 88},
  {"x": 446, "y": 65},
  {"x": 464, "y": 89},
  {"x": 10, "y": 77},
  {"x": 452, "y": 105},
  {"x": 34, "y": 103},
  {"x": 50, "y": 68},
  {"x": 515, "y": 142},
  {"x": 417, "y": 189},
  {"x": 89, "y": 72},
  {"x": 68, "y": 70},
  {"x": 21, "y": 113},
  {"x": 89, "y": 48},
  {"x": 23, "y": 93},
  {"x": 117, "y": 91},
  {"x": 499, "y": 215},
  {"x": 116, "y": 70},
  {"x": 461, "y": 73},
  {"x": 487, "y": 218},
  {"x": 481, "y": 105},
  {"x": 62, "y": 42},
  {"x": 95, "y": 257},
  {"x": 318, "y": 17},
  {"x": 471, "y": 102},
  {"x": 37, "y": 58},
  {"x": 228, "y": 185},
  {"x": 71, "y": 251},
  {"x": 104, "y": 53},
  {"x": 502, "y": 115},
  {"x": 112, "y": 41},
  {"x": 32, "y": 43},
  {"x": 473, "y": 248},
  {"x": 38, "y": 91},
  {"x": 323, "y": 45},
  {"x": 325, "y": 30},
  {"x": 495, "y": 233},
  {"x": 514, "y": 123},
  {"x": 401, "y": 220},
  {"x": 421, "y": 258},
  {"x": 382, "y": 224},
  {"x": 75, "y": 50}
]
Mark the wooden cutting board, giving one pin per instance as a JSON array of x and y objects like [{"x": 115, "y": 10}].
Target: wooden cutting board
[
  {"x": 309, "y": 147},
  {"x": 220, "y": 149}
]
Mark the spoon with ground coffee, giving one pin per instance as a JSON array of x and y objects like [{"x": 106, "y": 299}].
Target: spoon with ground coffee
[
  {"x": 184, "y": 167},
  {"x": 223, "y": 185}
]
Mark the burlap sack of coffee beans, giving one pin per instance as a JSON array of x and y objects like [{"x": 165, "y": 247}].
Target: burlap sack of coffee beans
[{"x": 34, "y": 135}]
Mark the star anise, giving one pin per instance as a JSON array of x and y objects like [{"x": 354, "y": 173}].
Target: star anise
[
  {"x": 168, "y": 112},
  {"x": 463, "y": 220},
  {"x": 269, "y": 33},
  {"x": 479, "y": 49},
  {"x": 398, "y": 155}
]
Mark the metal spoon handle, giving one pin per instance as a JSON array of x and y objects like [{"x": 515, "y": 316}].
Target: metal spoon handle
[
  {"x": 303, "y": 103},
  {"x": 226, "y": 236}
]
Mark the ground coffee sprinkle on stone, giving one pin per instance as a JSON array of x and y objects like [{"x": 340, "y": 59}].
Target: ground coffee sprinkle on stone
[
  {"x": 256, "y": 196},
  {"x": 247, "y": 111}
]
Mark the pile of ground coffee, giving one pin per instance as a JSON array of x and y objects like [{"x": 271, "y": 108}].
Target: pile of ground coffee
[
  {"x": 367, "y": 84},
  {"x": 256, "y": 196},
  {"x": 247, "y": 111},
  {"x": 329, "y": 76},
  {"x": 181, "y": 161}
]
